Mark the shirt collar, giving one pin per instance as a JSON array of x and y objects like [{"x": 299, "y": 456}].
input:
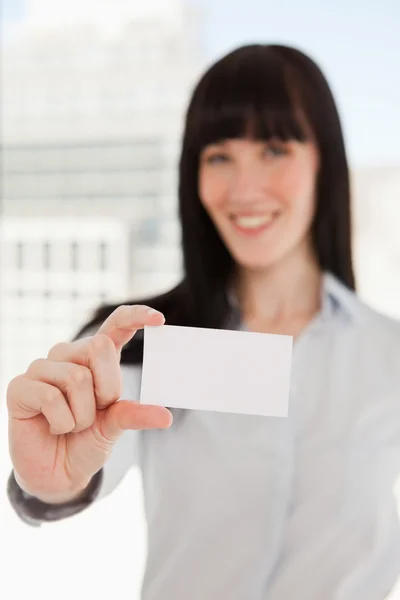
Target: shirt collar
[{"x": 338, "y": 298}]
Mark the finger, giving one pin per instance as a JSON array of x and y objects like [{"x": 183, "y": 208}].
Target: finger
[
  {"x": 125, "y": 321},
  {"x": 76, "y": 384},
  {"x": 98, "y": 354},
  {"x": 27, "y": 398},
  {"x": 126, "y": 414}
]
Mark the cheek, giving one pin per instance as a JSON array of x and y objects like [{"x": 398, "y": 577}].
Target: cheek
[
  {"x": 212, "y": 191},
  {"x": 299, "y": 185}
]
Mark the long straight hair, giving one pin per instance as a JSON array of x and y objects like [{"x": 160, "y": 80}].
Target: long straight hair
[{"x": 262, "y": 92}]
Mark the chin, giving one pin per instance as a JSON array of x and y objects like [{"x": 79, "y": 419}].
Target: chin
[
  {"x": 254, "y": 265},
  {"x": 263, "y": 259}
]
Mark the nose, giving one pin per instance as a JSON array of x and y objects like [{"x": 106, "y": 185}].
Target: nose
[{"x": 247, "y": 184}]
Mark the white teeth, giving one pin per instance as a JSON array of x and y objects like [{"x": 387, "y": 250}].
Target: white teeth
[{"x": 252, "y": 222}]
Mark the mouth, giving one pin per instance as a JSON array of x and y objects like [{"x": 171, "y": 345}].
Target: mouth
[{"x": 251, "y": 225}]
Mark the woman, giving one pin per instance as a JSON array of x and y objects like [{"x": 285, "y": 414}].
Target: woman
[{"x": 239, "y": 507}]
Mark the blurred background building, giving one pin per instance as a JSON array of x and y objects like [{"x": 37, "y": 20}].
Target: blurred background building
[{"x": 93, "y": 99}]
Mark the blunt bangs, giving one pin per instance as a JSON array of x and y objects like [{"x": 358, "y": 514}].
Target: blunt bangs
[{"x": 255, "y": 98}]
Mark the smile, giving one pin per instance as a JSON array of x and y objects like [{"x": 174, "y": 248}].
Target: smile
[{"x": 253, "y": 224}]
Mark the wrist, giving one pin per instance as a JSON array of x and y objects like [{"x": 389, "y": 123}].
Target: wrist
[
  {"x": 34, "y": 511},
  {"x": 61, "y": 497}
]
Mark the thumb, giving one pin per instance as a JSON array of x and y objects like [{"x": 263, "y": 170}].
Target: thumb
[{"x": 126, "y": 414}]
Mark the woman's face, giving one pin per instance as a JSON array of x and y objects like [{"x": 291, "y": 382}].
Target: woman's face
[{"x": 260, "y": 196}]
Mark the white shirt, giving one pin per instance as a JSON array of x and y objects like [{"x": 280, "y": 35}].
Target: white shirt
[{"x": 254, "y": 508}]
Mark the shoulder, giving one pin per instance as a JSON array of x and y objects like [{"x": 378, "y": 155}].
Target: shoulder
[
  {"x": 364, "y": 318},
  {"x": 377, "y": 322},
  {"x": 377, "y": 332}
]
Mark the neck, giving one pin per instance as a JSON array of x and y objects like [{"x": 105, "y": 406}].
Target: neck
[{"x": 283, "y": 297}]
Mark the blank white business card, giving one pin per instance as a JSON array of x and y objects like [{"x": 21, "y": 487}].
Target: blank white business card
[{"x": 217, "y": 370}]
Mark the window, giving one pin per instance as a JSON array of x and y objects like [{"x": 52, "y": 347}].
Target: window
[
  {"x": 103, "y": 255},
  {"x": 149, "y": 232},
  {"x": 46, "y": 256},
  {"x": 20, "y": 255},
  {"x": 74, "y": 256}
]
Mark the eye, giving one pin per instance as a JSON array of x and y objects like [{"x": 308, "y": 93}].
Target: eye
[
  {"x": 275, "y": 150},
  {"x": 215, "y": 158}
]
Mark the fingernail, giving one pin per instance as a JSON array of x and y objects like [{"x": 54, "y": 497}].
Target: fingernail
[{"x": 152, "y": 311}]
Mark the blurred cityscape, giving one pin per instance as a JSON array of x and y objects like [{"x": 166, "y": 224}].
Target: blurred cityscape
[{"x": 93, "y": 98}]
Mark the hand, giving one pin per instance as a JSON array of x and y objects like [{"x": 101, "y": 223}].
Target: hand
[{"x": 64, "y": 417}]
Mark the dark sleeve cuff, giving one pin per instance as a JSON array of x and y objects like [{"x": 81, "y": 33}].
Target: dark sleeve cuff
[{"x": 33, "y": 511}]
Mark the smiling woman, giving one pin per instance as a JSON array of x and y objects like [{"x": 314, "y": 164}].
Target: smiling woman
[{"x": 239, "y": 506}]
